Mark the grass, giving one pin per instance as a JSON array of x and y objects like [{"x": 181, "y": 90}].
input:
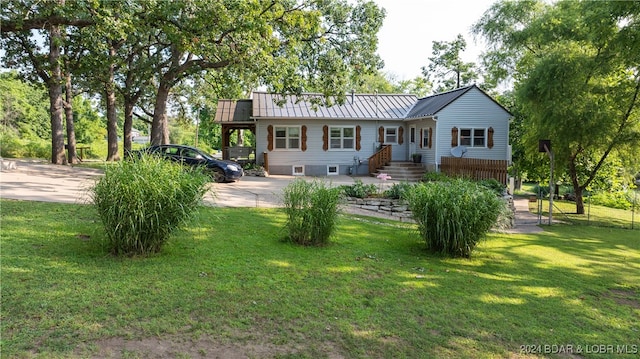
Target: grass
[
  {"x": 595, "y": 215},
  {"x": 230, "y": 281}
]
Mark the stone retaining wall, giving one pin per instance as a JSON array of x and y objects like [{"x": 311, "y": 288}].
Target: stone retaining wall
[
  {"x": 390, "y": 207},
  {"x": 399, "y": 209}
]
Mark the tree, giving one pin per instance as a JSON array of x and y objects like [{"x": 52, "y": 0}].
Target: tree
[
  {"x": 287, "y": 46},
  {"x": 576, "y": 67},
  {"x": 23, "y": 107},
  {"x": 446, "y": 67},
  {"x": 23, "y": 23}
]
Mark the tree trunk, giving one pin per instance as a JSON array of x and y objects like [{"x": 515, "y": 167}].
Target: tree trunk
[
  {"x": 112, "y": 118},
  {"x": 55, "y": 98},
  {"x": 577, "y": 188},
  {"x": 68, "y": 112},
  {"x": 128, "y": 125},
  {"x": 159, "y": 126},
  {"x": 579, "y": 200},
  {"x": 240, "y": 141}
]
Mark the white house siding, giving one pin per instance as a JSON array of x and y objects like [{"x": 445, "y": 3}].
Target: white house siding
[
  {"x": 474, "y": 110},
  {"x": 428, "y": 154},
  {"x": 315, "y": 160}
]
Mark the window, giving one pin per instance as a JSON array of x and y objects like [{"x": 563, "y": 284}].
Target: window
[
  {"x": 412, "y": 135},
  {"x": 287, "y": 137},
  {"x": 390, "y": 135},
  {"x": 297, "y": 170},
  {"x": 473, "y": 137},
  {"x": 425, "y": 138},
  {"x": 342, "y": 138},
  {"x": 332, "y": 170}
]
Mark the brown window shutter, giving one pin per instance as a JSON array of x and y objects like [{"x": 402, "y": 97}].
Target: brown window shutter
[
  {"x": 358, "y": 138},
  {"x": 430, "y": 136},
  {"x": 325, "y": 137},
  {"x": 303, "y": 146},
  {"x": 400, "y": 135},
  {"x": 454, "y": 137},
  {"x": 381, "y": 134},
  {"x": 270, "y": 138},
  {"x": 421, "y": 140},
  {"x": 490, "y": 138}
]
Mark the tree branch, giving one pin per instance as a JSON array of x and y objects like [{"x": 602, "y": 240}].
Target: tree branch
[{"x": 41, "y": 23}]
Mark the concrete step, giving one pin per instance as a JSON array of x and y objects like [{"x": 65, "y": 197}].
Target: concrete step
[{"x": 405, "y": 171}]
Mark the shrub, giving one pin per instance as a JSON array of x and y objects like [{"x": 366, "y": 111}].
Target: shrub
[
  {"x": 453, "y": 216},
  {"x": 140, "y": 203},
  {"x": 435, "y": 177},
  {"x": 15, "y": 147},
  {"x": 493, "y": 185},
  {"x": 618, "y": 199},
  {"x": 312, "y": 211},
  {"x": 398, "y": 190},
  {"x": 359, "y": 189}
]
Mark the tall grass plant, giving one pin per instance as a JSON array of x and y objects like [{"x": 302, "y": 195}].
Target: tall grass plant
[
  {"x": 453, "y": 216},
  {"x": 142, "y": 202},
  {"x": 312, "y": 211}
]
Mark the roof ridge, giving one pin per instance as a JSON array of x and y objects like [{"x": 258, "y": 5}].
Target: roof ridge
[{"x": 463, "y": 89}]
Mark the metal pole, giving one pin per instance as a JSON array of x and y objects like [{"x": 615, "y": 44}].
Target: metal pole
[
  {"x": 551, "y": 185},
  {"x": 633, "y": 208},
  {"x": 197, "y": 126},
  {"x": 589, "y": 209}
]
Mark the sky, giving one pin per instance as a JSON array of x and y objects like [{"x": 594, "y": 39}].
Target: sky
[{"x": 411, "y": 26}]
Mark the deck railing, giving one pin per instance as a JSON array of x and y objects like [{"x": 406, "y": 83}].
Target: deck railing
[
  {"x": 380, "y": 158},
  {"x": 474, "y": 168}
]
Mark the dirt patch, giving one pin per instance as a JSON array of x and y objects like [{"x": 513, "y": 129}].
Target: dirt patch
[
  {"x": 623, "y": 297},
  {"x": 175, "y": 346}
]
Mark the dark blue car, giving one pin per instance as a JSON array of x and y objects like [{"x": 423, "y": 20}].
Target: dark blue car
[{"x": 221, "y": 170}]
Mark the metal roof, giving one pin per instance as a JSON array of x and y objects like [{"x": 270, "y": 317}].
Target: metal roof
[
  {"x": 429, "y": 106},
  {"x": 233, "y": 111},
  {"x": 356, "y": 106}
]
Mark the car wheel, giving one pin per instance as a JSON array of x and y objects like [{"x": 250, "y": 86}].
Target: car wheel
[{"x": 218, "y": 175}]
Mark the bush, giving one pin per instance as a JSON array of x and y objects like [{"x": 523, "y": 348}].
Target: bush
[
  {"x": 398, "y": 190},
  {"x": 435, "y": 177},
  {"x": 494, "y": 185},
  {"x": 359, "y": 189},
  {"x": 453, "y": 216},
  {"x": 142, "y": 202},
  {"x": 618, "y": 199},
  {"x": 312, "y": 211},
  {"x": 15, "y": 147}
]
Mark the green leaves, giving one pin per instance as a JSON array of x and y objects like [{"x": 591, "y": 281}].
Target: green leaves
[
  {"x": 312, "y": 211},
  {"x": 454, "y": 215},
  {"x": 577, "y": 78},
  {"x": 141, "y": 203}
]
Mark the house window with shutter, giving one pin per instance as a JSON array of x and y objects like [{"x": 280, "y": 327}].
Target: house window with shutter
[
  {"x": 390, "y": 135},
  {"x": 287, "y": 138},
  {"x": 427, "y": 135},
  {"x": 473, "y": 137},
  {"x": 342, "y": 138}
]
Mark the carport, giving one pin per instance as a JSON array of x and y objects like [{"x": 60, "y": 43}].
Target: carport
[{"x": 234, "y": 116}]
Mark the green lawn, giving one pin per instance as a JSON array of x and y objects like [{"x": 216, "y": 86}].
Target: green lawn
[
  {"x": 565, "y": 211},
  {"x": 229, "y": 285}
]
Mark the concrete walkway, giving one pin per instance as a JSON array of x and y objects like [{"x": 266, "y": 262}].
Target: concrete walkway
[
  {"x": 37, "y": 180},
  {"x": 525, "y": 221}
]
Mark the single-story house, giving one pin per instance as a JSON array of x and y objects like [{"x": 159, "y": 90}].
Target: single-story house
[{"x": 296, "y": 136}]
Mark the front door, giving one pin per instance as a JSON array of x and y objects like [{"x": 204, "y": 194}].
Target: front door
[{"x": 413, "y": 137}]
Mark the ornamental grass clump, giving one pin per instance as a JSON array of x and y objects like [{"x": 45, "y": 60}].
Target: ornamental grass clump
[
  {"x": 453, "y": 216},
  {"x": 312, "y": 211},
  {"x": 141, "y": 202}
]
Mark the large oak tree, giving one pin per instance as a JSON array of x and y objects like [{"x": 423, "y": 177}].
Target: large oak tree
[
  {"x": 287, "y": 46},
  {"x": 576, "y": 67}
]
